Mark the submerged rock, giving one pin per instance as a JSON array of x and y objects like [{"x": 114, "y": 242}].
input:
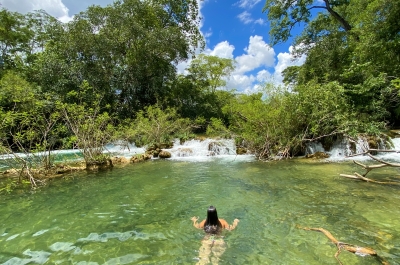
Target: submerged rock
[{"x": 317, "y": 155}]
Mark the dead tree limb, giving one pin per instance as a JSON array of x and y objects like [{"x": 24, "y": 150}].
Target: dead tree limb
[
  {"x": 361, "y": 251},
  {"x": 368, "y": 168}
]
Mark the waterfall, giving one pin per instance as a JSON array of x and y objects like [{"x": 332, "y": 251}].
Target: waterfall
[
  {"x": 190, "y": 150},
  {"x": 342, "y": 149},
  {"x": 203, "y": 149},
  {"x": 314, "y": 147},
  {"x": 125, "y": 150}
]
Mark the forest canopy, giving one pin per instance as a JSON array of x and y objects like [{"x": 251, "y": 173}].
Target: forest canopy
[{"x": 110, "y": 74}]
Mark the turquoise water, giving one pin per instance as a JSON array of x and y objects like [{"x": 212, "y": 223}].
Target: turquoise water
[{"x": 140, "y": 214}]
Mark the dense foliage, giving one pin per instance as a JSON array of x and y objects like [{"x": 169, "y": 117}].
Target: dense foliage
[{"x": 110, "y": 74}]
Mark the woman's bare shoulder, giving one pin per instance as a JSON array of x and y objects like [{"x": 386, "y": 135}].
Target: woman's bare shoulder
[
  {"x": 224, "y": 223},
  {"x": 201, "y": 225}
]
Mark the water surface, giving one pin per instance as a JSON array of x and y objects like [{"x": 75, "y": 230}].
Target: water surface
[{"x": 140, "y": 214}]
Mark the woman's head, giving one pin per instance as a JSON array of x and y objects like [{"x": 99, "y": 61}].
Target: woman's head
[{"x": 212, "y": 224}]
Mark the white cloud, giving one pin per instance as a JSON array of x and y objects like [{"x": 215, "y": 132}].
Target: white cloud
[
  {"x": 259, "y": 21},
  {"x": 258, "y": 54},
  {"x": 247, "y": 3},
  {"x": 222, "y": 49},
  {"x": 259, "y": 57},
  {"x": 56, "y": 8},
  {"x": 285, "y": 60},
  {"x": 208, "y": 33},
  {"x": 263, "y": 76},
  {"x": 245, "y": 17},
  {"x": 240, "y": 82}
]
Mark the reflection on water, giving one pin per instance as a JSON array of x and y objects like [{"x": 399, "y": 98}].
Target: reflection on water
[{"x": 140, "y": 214}]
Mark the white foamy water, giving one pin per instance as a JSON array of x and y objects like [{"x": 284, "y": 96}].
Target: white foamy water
[
  {"x": 124, "y": 150},
  {"x": 208, "y": 149},
  {"x": 341, "y": 151},
  {"x": 205, "y": 150},
  {"x": 193, "y": 150}
]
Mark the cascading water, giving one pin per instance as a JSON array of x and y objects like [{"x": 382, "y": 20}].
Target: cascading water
[
  {"x": 342, "y": 150},
  {"x": 314, "y": 147},
  {"x": 205, "y": 149}
]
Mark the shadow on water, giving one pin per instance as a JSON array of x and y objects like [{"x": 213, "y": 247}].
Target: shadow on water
[{"x": 140, "y": 214}]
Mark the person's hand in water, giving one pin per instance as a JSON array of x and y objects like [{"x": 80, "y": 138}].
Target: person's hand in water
[
  {"x": 235, "y": 223},
  {"x": 194, "y": 219}
]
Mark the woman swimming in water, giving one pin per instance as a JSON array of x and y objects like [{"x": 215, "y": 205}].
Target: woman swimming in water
[
  {"x": 212, "y": 243},
  {"x": 213, "y": 225}
]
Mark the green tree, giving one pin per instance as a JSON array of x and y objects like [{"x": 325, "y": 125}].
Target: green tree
[
  {"x": 285, "y": 15},
  {"x": 363, "y": 58},
  {"x": 91, "y": 127},
  {"x": 126, "y": 51},
  {"x": 155, "y": 126},
  {"x": 210, "y": 71},
  {"x": 22, "y": 37},
  {"x": 30, "y": 127}
]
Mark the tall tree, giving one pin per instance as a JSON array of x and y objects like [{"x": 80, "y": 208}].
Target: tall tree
[
  {"x": 22, "y": 37},
  {"x": 126, "y": 51},
  {"x": 362, "y": 55}
]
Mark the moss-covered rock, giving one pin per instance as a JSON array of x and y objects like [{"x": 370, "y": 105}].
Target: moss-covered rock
[
  {"x": 117, "y": 160},
  {"x": 317, "y": 155},
  {"x": 241, "y": 151},
  {"x": 140, "y": 158},
  {"x": 164, "y": 154}
]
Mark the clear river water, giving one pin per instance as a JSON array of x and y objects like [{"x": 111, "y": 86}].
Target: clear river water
[{"x": 140, "y": 214}]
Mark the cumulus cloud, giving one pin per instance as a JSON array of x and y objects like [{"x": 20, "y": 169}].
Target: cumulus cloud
[
  {"x": 258, "y": 53},
  {"x": 222, "y": 49},
  {"x": 263, "y": 76},
  {"x": 56, "y": 8},
  {"x": 285, "y": 60},
  {"x": 240, "y": 82},
  {"x": 255, "y": 67}
]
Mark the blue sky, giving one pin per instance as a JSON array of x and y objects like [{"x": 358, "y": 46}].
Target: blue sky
[{"x": 235, "y": 29}]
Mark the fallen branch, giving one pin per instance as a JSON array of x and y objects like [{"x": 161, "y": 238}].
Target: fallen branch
[
  {"x": 368, "y": 168},
  {"x": 361, "y": 251},
  {"x": 360, "y": 177}
]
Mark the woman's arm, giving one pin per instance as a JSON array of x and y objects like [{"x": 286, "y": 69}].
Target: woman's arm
[
  {"x": 227, "y": 226},
  {"x": 195, "y": 224}
]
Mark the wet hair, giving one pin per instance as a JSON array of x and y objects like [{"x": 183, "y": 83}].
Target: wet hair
[{"x": 212, "y": 224}]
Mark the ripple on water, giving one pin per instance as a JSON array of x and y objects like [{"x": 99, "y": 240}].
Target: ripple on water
[
  {"x": 38, "y": 257},
  {"x": 137, "y": 215}
]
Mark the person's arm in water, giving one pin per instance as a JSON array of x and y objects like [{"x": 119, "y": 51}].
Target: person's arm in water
[
  {"x": 222, "y": 221},
  {"x": 227, "y": 226},
  {"x": 195, "y": 224}
]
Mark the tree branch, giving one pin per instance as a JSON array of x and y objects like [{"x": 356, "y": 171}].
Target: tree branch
[
  {"x": 368, "y": 168},
  {"x": 338, "y": 17}
]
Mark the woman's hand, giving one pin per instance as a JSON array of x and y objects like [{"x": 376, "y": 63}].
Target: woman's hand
[
  {"x": 234, "y": 224},
  {"x": 194, "y": 219}
]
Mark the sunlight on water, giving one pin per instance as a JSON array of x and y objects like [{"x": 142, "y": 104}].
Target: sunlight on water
[{"x": 140, "y": 214}]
